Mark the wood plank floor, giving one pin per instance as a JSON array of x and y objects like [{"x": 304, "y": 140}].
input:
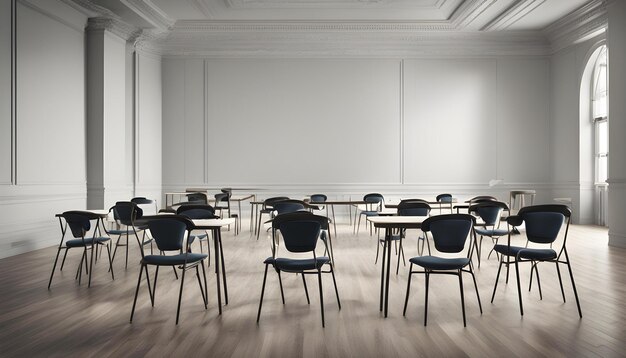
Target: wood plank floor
[{"x": 75, "y": 320}]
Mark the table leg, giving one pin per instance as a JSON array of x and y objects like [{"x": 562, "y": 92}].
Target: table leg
[
  {"x": 332, "y": 209},
  {"x": 388, "y": 241},
  {"x": 382, "y": 272},
  {"x": 216, "y": 238},
  {"x": 223, "y": 272}
]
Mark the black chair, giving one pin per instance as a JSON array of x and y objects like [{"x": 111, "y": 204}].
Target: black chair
[
  {"x": 169, "y": 232},
  {"x": 79, "y": 223},
  {"x": 374, "y": 202},
  {"x": 490, "y": 212},
  {"x": 407, "y": 207},
  {"x": 300, "y": 232},
  {"x": 444, "y": 199},
  {"x": 148, "y": 206},
  {"x": 198, "y": 211},
  {"x": 449, "y": 233},
  {"x": 543, "y": 224},
  {"x": 125, "y": 214},
  {"x": 268, "y": 208},
  {"x": 197, "y": 198},
  {"x": 322, "y": 198},
  {"x": 288, "y": 206},
  {"x": 222, "y": 203}
]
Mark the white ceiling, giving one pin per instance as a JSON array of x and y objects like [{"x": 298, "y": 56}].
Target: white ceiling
[
  {"x": 345, "y": 27},
  {"x": 447, "y": 14}
]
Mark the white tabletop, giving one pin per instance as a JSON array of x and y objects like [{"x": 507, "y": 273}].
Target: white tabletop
[
  {"x": 397, "y": 219},
  {"x": 213, "y": 223}
]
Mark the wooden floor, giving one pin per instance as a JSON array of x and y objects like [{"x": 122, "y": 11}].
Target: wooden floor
[{"x": 75, "y": 320}]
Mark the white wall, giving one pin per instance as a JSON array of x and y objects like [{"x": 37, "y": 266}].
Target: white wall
[
  {"x": 400, "y": 126},
  {"x": 50, "y": 136},
  {"x": 571, "y": 136},
  {"x": 148, "y": 126}
]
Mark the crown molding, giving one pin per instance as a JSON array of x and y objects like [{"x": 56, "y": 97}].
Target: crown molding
[
  {"x": 306, "y": 26},
  {"x": 515, "y": 12},
  {"x": 351, "y": 43},
  {"x": 88, "y": 8},
  {"x": 150, "y": 12},
  {"x": 586, "y": 21},
  {"x": 469, "y": 11},
  {"x": 116, "y": 26}
]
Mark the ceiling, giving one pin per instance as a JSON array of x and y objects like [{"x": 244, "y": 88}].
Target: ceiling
[
  {"x": 485, "y": 14},
  {"x": 258, "y": 26}
]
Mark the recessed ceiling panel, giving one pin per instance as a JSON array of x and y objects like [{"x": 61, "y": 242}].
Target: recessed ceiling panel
[{"x": 546, "y": 13}]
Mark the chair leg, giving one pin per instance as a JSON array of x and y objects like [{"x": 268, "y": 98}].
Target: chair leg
[
  {"x": 558, "y": 272},
  {"x": 408, "y": 289},
  {"x": 110, "y": 262},
  {"x": 200, "y": 285},
  {"x": 132, "y": 312},
  {"x": 480, "y": 306},
  {"x": 427, "y": 244},
  {"x": 306, "y": 290},
  {"x": 223, "y": 272},
  {"x": 462, "y": 297},
  {"x": 180, "y": 293},
  {"x": 495, "y": 286},
  {"x": 156, "y": 276},
  {"x": 206, "y": 288},
  {"x": 91, "y": 264},
  {"x": 55, "y": 265},
  {"x": 332, "y": 273},
  {"x": 538, "y": 282},
  {"x": 319, "y": 279},
  {"x": 508, "y": 264},
  {"x": 480, "y": 249},
  {"x": 519, "y": 289},
  {"x": 280, "y": 282},
  {"x": 358, "y": 226},
  {"x": 426, "y": 299},
  {"x": 149, "y": 286},
  {"x": 377, "y": 250},
  {"x": 63, "y": 262},
  {"x": 258, "y": 316},
  {"x": 126, "y": 262},
  {"x": 571, "y": 275}
]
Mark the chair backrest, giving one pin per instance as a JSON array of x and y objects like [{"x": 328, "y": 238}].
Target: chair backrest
[
  {"x": 197, "y": 198},
  {"x": 148, "y": 206},
  {"x": 289, "y": 206},
  {"x": 196, "y": 211},
  {"x": 374, "y": 198},
  {"x": 482, "y": 198},
  {"x": 449, "y": 232},
  {"x": 489, "y": 211},
  {"x": 126, "y": 212},
  {"x": 269, "y": 202},
  {"x": 318, "y": 198},
  {"x": 79, "y": 222},
  {"x": 300, "y": 230},
  {"x": 543, "y": 222},
  {"x": 444, "y": 198},
  {"x": 222, "y": 198},
  {"x": 413, "y": 207},
  {"x": 169, "y": 231}
]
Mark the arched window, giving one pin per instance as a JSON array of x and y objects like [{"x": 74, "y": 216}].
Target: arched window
[{"x": 599, "y": 95}]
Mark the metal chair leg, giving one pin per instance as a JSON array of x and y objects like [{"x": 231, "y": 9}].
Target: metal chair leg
[
  {"x": 204, "y": 299},
  {"x": 64, "y": 256},
  {"x": 258, "y": 316},
  {"x": 462, "y": 297},
  {"x": 480, "y": 306},
  {"x": 519, "y": 289},
  {"x": 132, "y": 312},
  {"x": 154, "y": 285},
  {"x": 571, "y": 275},
  {"x": 408, "y": 289},
  {"x": 280, "y": 282},
  {"x": 180, "y": 294},
  {"x": 558, "y": 272},
  {"x": 306, "y": 290},
  {"x": 426, "y": 299},
  {"x": 319, "y": 279},
  {"x": 55, "y": 265},
  {"x": 495, "y": 286}
]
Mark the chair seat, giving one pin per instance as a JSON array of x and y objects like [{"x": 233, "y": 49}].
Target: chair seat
[
  {"x": 297, "y": 265},
  {"x": 119, "y": 232},
  {"x": 79, "y": 242},
  {"x": 526, "y": 253},
  {"x": 492, "y": 232},
  {"x": 173, "y": 260},
  {"x": 440, "y": 263}
]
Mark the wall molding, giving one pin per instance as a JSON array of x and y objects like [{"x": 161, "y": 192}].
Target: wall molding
[
  {"x": 583, "y": 23},
  {"x": 515, "y": 12}
]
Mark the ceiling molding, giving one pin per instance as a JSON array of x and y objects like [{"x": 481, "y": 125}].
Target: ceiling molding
[
  {"x": 115, "y": 26},
  {"x": 468, "y": 11},
  {"x": 352, "y": 44},
  {"x": 150, "y": 12},
  {"x": 89, "y": 8},
  {"x": 515, "y": 12},
  {"x": 302, "y": 26},
  {"x": 586, "y": 21}
]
